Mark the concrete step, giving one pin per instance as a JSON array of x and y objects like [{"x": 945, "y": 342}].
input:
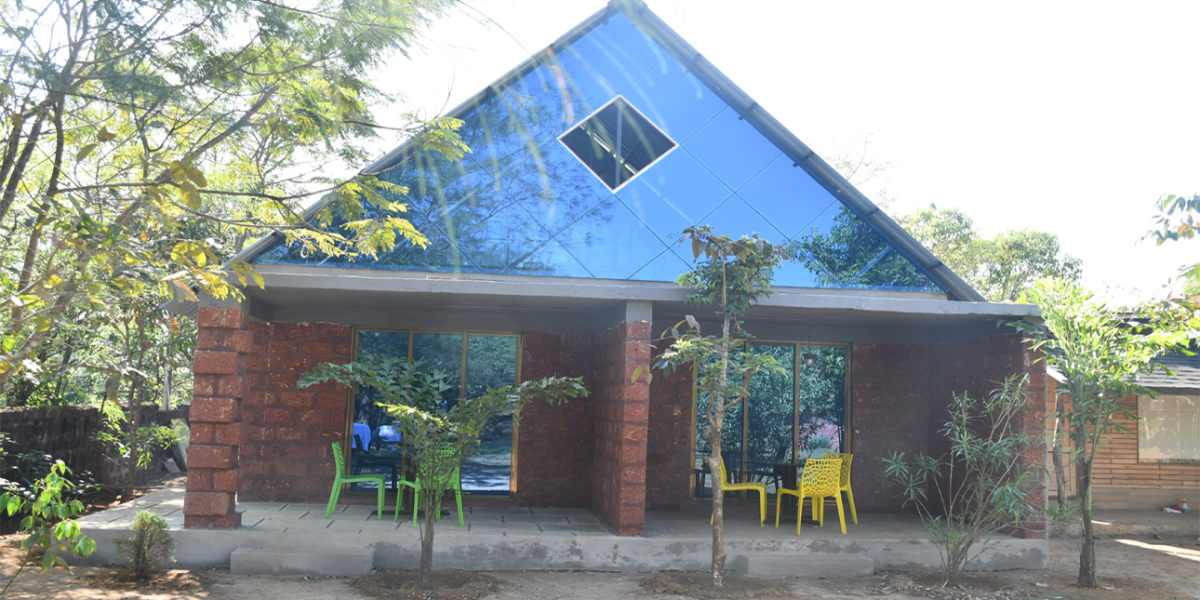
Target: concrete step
[
  {"x": 807, "y": 565},
  {"x": 305, "y": 561}
]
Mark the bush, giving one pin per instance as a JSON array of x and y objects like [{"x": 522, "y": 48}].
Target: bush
[
  {"x": 48, "y": 521},
  {"x": 985, "y": 484},
  {"x": 149, "y": 545}
]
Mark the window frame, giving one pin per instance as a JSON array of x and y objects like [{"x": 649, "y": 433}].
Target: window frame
[
  {"x": 675, "y": 145},
  {"x": 1141, "y": 425}
]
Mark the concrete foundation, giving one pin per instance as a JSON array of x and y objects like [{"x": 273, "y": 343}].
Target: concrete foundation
[
  {"x": 350, "y": 562},
  {"x": 549, "y": 539},
  {"x": 809, "y": 565}
]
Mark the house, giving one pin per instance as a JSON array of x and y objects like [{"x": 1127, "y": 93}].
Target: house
[
  {"x": 1151, "y": 459},
  {"x": 552, "y": 252}
]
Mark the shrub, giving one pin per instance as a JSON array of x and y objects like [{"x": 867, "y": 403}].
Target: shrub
[
  {"x": 48, "y": 521},
  {"x": 149, "y": 545},
  {"x": 984, "y": 485}
]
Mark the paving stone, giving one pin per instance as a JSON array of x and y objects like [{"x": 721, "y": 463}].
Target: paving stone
[{"x": 534, "y": 519}]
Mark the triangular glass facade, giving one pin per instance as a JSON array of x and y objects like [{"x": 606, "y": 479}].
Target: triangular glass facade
[{"x": 522, "y": 203}]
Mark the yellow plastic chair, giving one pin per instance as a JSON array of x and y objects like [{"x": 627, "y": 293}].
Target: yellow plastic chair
[
  {"x": 844, "y": 486},
  {"x": 454, "y": 482},
  {"x": 754, "y": 486},
  {"x": 339, "y": 464},
  {"x": 818, "y": 481}
]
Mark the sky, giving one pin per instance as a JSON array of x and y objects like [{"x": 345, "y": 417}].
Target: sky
[{"x": 1068, "y": 117}]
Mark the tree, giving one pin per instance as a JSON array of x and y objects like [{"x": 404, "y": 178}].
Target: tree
[
  {"x": 1000, "y": 268},
  {"x": 127, "y": 121},
  {"x": 985, "y": 482},
  {"x": 1183, "y": 309},
  {"x": 733, "y": 275},
  {"x": 438, "y": 435},
  {"x": 1099, "y": 353}
]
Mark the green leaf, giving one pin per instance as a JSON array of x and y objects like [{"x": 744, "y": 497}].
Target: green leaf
[
  {"x": 195, "y": 175},
  {"x": 105, "y": 135},
  {"x": 7, "y": 88},
  {"x": 85, "y": 151}
]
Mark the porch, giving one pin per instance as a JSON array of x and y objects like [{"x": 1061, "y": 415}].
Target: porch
[{"x": 501, "y": 537}]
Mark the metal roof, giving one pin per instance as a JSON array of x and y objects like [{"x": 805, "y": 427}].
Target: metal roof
[
  {"x": 731, "y": 94},
  {"x": 1186, "y": 377}
]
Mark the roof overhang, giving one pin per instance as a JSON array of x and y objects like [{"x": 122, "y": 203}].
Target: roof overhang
[{"x": 484, "y": 302}]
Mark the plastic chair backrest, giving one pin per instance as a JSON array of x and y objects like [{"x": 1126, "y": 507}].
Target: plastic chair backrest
[
  {"x": 724, "y": 475},
  {"x": 339, "y": 461},
  {"x": 820, "y": 477},
  {"x": 846, "y": 458}
]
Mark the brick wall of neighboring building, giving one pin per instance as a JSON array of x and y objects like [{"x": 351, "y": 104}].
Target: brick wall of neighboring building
[
  {"x": 889, "y": 411},
  {"x": 554, "y": 456},
  {"x": 286, "y": 455},
  {"x": 621, "y": 426},
  {"x": 1121, "y": 482},
  {"x": 669, "y": 462}
]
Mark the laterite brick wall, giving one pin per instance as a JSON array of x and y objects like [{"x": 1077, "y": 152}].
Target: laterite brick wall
[
  {"x": 554, "y": 460},
  {"x": 621, "y": 427},
  {"x": 286, "y": 455},
  {"x": 669, "y": 462}
]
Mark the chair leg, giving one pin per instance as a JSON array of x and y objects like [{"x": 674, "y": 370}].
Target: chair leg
[
  {"x": 382, "y": 491},
  {"x": 841, "y": 513},
  {"x": 850, "y": 497},
  {"x": 762, "y": 508},
  {"x": 778, "y": 504},
  {"x": 819, "y": 511},
  {"x": 799, "y": 512},
  {"x": 458, "y": 499},
  {"x": 333, "y": 497},
  {"x": 416, "y": 503}
]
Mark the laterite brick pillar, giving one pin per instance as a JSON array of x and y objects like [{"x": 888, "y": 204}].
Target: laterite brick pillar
[
  {"x": 621, "y": 427},
  {"x": 216, "y": 421}
]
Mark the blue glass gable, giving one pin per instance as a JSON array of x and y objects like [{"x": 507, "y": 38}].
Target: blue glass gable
[{"x": 521, "y": 203}]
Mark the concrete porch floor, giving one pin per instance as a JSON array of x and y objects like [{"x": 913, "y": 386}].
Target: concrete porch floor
[{"x": 504, "y": 538}]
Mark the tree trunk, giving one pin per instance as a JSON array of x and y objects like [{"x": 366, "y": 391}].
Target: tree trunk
[
  {"x": 1087, "y": 556},
  {"x": 718, "y": 506},
  {"x": 430, "y": 509},
  {"x": 131, "y": 464}
]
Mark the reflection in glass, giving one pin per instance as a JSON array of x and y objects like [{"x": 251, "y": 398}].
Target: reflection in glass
[
  {"x": 491, "y": 364},
  {"x": 522, "y": 203},
  {"x": 1168, "y": 429},
  {"x": 853, "y": 255},
  {"x": 441, "y": 352}
]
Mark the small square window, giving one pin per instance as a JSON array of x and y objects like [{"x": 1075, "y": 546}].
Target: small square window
[{"x": 617, "y": 142}]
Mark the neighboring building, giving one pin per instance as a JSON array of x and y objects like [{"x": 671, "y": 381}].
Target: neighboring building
[
  {"x": 1152, "y": 460},
  {"x": 552, "y": 252}
]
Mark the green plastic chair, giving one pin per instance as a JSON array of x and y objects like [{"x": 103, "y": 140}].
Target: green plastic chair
[
  {"x": 339, "y": 463},
  {"x": 455, "y": 482}
]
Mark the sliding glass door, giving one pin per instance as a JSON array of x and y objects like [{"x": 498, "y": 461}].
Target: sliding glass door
[
  {"x": 794, "y": 415},
  {"x": 473, "y": 363}
]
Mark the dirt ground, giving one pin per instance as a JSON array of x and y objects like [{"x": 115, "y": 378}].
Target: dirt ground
[{"x": 1136, "y": 568}]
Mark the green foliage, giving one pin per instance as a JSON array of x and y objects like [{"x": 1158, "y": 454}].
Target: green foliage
[
  {"x": 1000, "y": 268},
  {"x": 48, "y": 521},
  {"x": 1179, "y": 219},
  {"x": 22, "y": 472},
  {"x": 391, "y": 379},
  {"x": 1099, "y": 353},
  {"x": 152, "y": 138},
  {"x": 984, "y": 484},
  {"x": 733, "y": 276},
  {"x": 149, "y": 545},
  {"x": 151, "y": 438},
  {"x": 438, "y": 434}
]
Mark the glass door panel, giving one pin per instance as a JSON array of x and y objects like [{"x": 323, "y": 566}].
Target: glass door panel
[
  {"x": 822, "y": 400},
  {"x": 442, "y": 352},
  {"x": 491, "y": 364},
  {"x": 771, "y": 414},
  {"x": 374, "y": 435}
]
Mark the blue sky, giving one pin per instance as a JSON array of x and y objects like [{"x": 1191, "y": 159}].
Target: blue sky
[{"x": 1071, "y": 118}]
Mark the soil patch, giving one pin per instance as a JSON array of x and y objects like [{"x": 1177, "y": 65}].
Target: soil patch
[
  {"x": 447, "y": 585},
  {"x": 1005, "y": 585},
  {"x": 699, "y": 585},
  {"x": 165, "y": 580}
]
